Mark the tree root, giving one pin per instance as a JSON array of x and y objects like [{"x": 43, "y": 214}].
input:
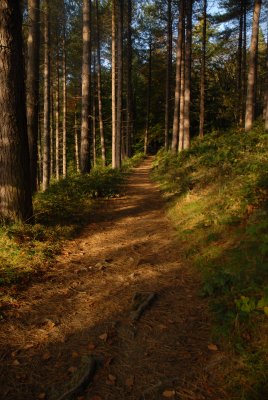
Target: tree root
[
  {"x": 84, "y": 381},
  {"x": 145, "y": 304}
]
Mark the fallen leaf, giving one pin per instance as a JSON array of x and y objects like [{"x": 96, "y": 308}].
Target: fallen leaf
[
  {"x": 168, "y": 394},
  {"x": 130, "y": 381},
  {"x": 213, "y": 347},
  {"x": 16, "y": 362},
  {"x": 42, "y": 396},
  {"x": 28, "y": 346},
  {"x": 46, "y": 356},
  {"x": 112, "y": 378},
  {"x": 108, "y": 361},
  {"x": 75, "y": 354},
  {"x": 104, "y": 336},
  {"x": 91, "y": 346},
  {"x": 72, "y": 370},
  {"x": 162, "y": 327}
]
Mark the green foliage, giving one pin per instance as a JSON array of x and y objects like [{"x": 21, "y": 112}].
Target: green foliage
[
  {"x": 217, "y": 193},
  {"x": 60, "y": 212}
]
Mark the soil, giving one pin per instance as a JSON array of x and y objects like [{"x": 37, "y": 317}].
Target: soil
[{"x": 85, "y": 303}]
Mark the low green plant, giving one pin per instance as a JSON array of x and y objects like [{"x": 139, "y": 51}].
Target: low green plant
[{"x": 217, "y": 194}]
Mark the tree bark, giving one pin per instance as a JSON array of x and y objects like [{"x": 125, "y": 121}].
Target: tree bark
[
  {"x": 149, "y": 90},
  {"x": 266, "y": 93},
  {"x": 15, "y": 183},
  {"x": 64, "y": 98},
  {"x": 99, "y": 83},
  {"x": 176, "y": 123},
  {"x": 239, "y": 65},
  {"x": 130, "y": 122},
  {"x": 46, "y": 132},
  {"x": 244, "y": 64},
  {"x": 168, "y": 74},
  {"x": 76, "y": 141},
  {"x": 57, "y": 121},
  {"x": 203, "y": 72},
  {"x": 119, "y": 81},
  {"x": 114, "y": 124},
  {"x": 85, "y": 124},
  {"x": 250, "y": 103},
  {"x": 188, "y": 67},
  {"x": 33, "y": 45},
  {"x": 182, "y": 90}
]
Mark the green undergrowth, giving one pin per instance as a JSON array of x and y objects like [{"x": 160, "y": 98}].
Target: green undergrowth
[
  {"x": 217, "y": 194},
  {"x": 26, "y": 250}
]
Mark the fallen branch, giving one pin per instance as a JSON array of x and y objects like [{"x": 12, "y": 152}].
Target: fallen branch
[
  {"x": 84, "y": 381},
  {"x": 143, "y": 306}
]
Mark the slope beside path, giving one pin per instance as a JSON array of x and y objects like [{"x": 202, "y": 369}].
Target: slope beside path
[{"x": 86, "y": 306}]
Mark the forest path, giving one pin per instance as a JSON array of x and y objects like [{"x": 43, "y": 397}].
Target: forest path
[{"x": 85, "y": 306}]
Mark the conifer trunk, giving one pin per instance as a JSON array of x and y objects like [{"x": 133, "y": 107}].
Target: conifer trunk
[
  {"x": 182, "y": 90},
  {"x": 46, "y": 132},
  {"x": 99, "y": 84},
  {"x": 15, "y": 183},
  {"x": 203, "y": 72},
  {"x": 85, "y": 125},
  {"x": 57, "y": 121},
  {"x": 188, "y": 66},
  {"x": 33, "y": 45},
  {"x": 149, "y": 90},
  {"x": 114, "y": 124},
  {"x": 176, "y": 118},
  {"x": 250, "y": 103},
  {"x": 168, "y": 75},
  {"x": 130, "y": 127},
  {"x": 64, "y": 99},
  {"x": 119, "y": 81}
]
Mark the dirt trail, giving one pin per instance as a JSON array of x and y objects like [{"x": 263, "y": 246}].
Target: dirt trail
[{"x": 84, "y": 306}]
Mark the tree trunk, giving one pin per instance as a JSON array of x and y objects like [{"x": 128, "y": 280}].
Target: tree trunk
[
  {"x": 76, "y": 141},
  {"x": 176, "y": 124},
  {"x": 149, "y": 89},
  {"x": 130, "y": 127},
  {"x": 119, "y": 81},
  {"x": 101, "y": 125},
  {"x": 244, "y": 64},
  {"x": 114, "y": 124},
  {"x": 239, "y": 65},
  {"x": 94, "y": 141},
  {"x": 33, "y": 85},
  {"x": 203, "y": 72},
  {"x": 85, "y": 124},
  {"x": 182, "y": 90},
  {"x": 266, "y": 93},
  {"x": 57, "y": 121},
  {"x": 64, "y": 99},
  {"x": 168, "y": 75},
  {"x": 15, "y": 185},
  {"x": 188, "y": 66},
  {"x": 52, "y": 152},
  {"x": 46, "y": 133},
  {"x": 252, "y": 67}
]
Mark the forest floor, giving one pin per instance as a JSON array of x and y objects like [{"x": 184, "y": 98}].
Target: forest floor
[{"x": 84, "y": 305}]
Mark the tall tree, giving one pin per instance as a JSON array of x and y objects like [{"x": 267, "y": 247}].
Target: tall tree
[
  {"x": 46, "y": 131},
  {"x": 99, "y": 86},
  {"x": 130, "y": 127},
  {"x": 188, "y": 66},
  {"x": 15, "y": 185},
  {"x": 250, "y": 103},
  {"x": 86, "y": 67},
  {"x": 182, "y": 83},
  {"x": 168, "y": 73},
  {"x": 33, "y": 44},
  {"x": 149, "y": 94},
  {"x": 119, "y": 80},
  {"x": 176, "y": 118},
  {"x": 203, "y": 72},
  {"x": 64, "y": 96}
]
